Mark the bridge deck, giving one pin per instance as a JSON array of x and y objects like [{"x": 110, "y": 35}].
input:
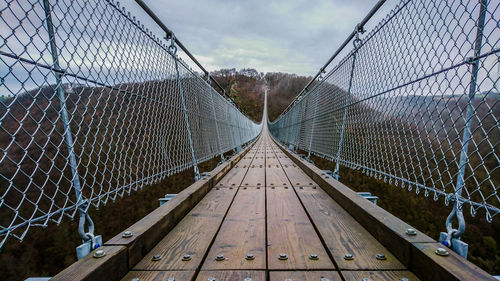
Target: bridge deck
[{"x": 264, "y": 207}]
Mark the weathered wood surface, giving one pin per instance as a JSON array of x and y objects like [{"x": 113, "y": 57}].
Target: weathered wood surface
[
  {"x": 290, "y": 232},
  {"x": 243, "y": 232},
  {"x": 379, "y": 275},
  {"x": 304, "y": 276},
  {"x": 159, "y": 275},
  {"x": 232, "y": 275},
  {"x": 343, "y": 235},
  {"x": 192, "y": 236}
]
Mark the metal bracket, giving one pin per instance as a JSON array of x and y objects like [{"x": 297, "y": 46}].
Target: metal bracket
[
  {"x": 85, "y": 248},
  {"x": 368, "y": 196},
  {"x": 458, "y": 246},
  {"x": 167, "y": 198}
]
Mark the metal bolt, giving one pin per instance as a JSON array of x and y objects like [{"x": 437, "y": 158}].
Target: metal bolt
[
  {"x": 186, "y": 257},
  {"x": 258, "y": 183},
  {"x": 250, "y": 257},
  {"x": 283, "y": 257},
  {"x": 348, "y": 257},
  {"x": 99, "y": 254},
  {"x": 127, "y": 234},
  {"x": 442, "y": 252},
  {"x": 219, "y": 257},
  {"x": 411, "y": 232},
  {"x": 324, "y": 279},
  {"x": 313, "y": 257},
  {"x": 248, "y": 279},
  {"x": 381, "y": 257},
  {"x": 367, "y": 279},
  {"x": 404, "y": 279},
  {"x": 135, "y": 279},
  {"x": 171, "y": 279},
  {"x": 211, "y": 279},
  {"x": 156, "y": 258}
]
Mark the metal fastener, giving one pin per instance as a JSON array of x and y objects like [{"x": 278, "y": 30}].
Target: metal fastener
[
  {"x": 404, "y": 279},
  {"x": 156, "y": 258},
  {"x": 248, "y": 279},
  {"x": 348, "y": 257},
  {"x": 313, "y": 257},
  {"x": 219, "y": 257},
  {"x": 288, "y": 279},
  {"x": 324, "y": 279},
  {"x": 186, "y": 257},
  {"x": 171, "y": 279},
  {"x": 411, "y": 232},
  {"x": 442, "y": 252},
  {"x": 135, "y": 279},
  {"x": 127, "y": 234},
  {"x": 99, "y": 254},
  {"x": 211, "y": 279},
  {"x": 381, "y": 257},
  {"x": 367, "y": 279},
  {"x": 250, "y": 257},
  {"x": 283, "y": 257}
]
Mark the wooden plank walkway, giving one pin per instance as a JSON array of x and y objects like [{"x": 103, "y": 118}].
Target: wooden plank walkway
[{"x": 267, "y": 220}]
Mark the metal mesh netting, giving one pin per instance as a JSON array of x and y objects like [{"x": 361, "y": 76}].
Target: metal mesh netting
[
  {"x": 92, "y": 107},
  {"x": 416, "y": 103}
]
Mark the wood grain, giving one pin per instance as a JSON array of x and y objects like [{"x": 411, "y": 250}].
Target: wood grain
[
  {"x": 378, "y": 275},
  {"x": 289, "y": 231},
  {"x": 343, "y": 235},
  {"x": 230, "y": 275},
  {"x": 192, "y": 235},
  {"x": 304, "y": 275},
  {"x": 242, "y": 232},
  {"x": 159, "y": 275}
]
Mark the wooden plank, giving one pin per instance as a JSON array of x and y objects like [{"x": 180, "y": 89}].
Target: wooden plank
[
  {"x": 256, "y": 176},
  {"x": 427, "y": 265},
  {"x": 228, "y": 275},
  {"x": 113, "y": 266},
  {"x": 305, "y": 276},
  {"x": 192, "y": 235},
  {"x": 378, "y": 275},
  {"x": 233, "y": 178},
  {"x": 343, "y": 235},
  {"x": 275, "y": 176},
  {"x": 298, "y": 177},
  {"x": 242, "y": 232},
  {"x": 159, "y": 275},
  {"x": 290, "y": 232}
]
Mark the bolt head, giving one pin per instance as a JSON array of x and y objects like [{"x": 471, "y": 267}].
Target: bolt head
[
  {"x": 404, "y": 279},
  {"x": 156, "y": 258},
  {"x": 186, "y": 257},
  {"x": 324, "y": 279},
  {"x": 219, "y": 257},
  {"x": 442, "y": 252},
  {"x": 283, "y": 257},
  {"x": 411, "y": 232},
  {"x": 135, "y": 279},
  {"x": 127, "y": 234},
  {"x": 367, "y": 279},
  {"x": 381, "y": 257},
  {"x": 314, "y": 257},
  {"x": 211, "y": 279},
  {"x": 250, "y": 257},
  {"x": 99, "y": 254},
  {"x": 248, "y": 279},
  {"x": 171, "y": 279},
  {"x": 348, "y": 257}
]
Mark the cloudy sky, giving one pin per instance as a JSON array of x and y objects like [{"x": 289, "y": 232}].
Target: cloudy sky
[{"x": 295, "y": 36}]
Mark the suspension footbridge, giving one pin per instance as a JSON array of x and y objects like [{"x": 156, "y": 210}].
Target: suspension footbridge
[{"x": 98, "y": 106}]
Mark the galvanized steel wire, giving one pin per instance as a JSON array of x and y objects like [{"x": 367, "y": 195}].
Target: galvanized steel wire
[
  {"x": 415, "y": 102},
  {"x": 93, "y": 107}
]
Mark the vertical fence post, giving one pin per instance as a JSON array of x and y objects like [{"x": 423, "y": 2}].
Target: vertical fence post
[
  {"x": 467, "y": 134},
  {"x": 173, "y": 49},
  {"x": 80, "y": 204},
  {"x": 336, "y": 174}
]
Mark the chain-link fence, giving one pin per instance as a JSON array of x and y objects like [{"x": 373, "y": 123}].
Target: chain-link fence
[
  {"x": 93, "y": 106},
  {"x": 416, "y": 103}
]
